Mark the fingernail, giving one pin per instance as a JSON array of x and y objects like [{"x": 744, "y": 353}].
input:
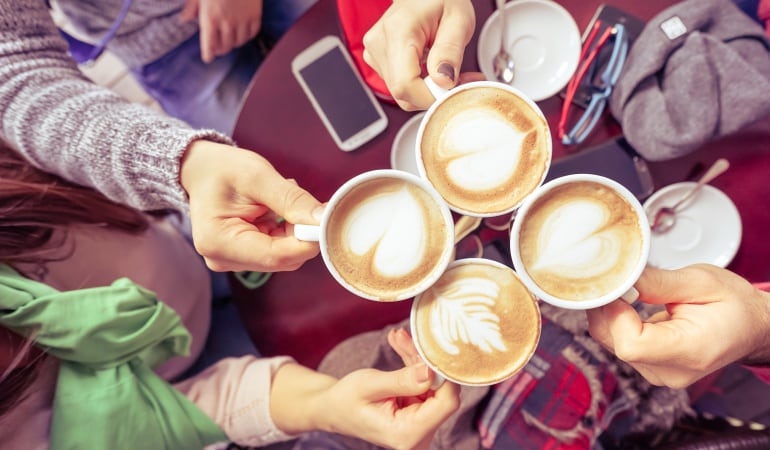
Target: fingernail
[
  {"x": 318, "y": 213},
  {"x": 447, "y": 70},
  {"x": 421, "y": 373}
]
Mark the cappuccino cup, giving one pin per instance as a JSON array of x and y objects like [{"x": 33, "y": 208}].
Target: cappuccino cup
[
  {"x": 484, "y": 146},
  {"x": 580, "y": 241},
  {"x": 385, "y": 235},
  {"x": 477, "y": 325}
]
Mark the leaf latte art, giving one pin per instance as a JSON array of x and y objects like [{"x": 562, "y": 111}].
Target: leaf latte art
[
  {"x": 477, "y": 324},
  {"x": 386, "y": 236},
  {"x": 462, "y": 314}
]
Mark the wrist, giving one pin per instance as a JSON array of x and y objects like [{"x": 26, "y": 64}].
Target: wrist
[
  {"x": 194, "y": 161},
  {"x": 298, "y": 399},
  {"x": 759, "y": 356}
]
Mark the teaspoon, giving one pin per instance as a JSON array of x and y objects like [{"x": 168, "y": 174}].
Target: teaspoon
[
  {"x": 665, "y": 217},
  {"x": 503, "y": 63}
]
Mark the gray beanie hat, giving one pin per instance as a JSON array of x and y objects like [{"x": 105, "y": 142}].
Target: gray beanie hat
[{"x": 699, "y": 70}]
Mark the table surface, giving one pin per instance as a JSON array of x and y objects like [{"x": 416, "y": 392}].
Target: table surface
[{"x": 278, "y": 121}]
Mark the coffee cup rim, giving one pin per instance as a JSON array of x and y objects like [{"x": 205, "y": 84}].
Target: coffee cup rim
[
  {"x": 344, "y": 189},
  {"x": 414, "y": 333},
  {"x": 481, "y": 84},
  {"x": 613, "y": 294}
]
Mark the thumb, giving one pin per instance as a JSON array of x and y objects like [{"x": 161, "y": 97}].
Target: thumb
[
  {"x": 452, "y": 36},
  {"x": 408, "y": 381},
  {"x": 692, "y": 284}
]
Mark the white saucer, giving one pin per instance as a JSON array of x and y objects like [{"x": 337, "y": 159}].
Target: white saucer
[
  {"x": 544, "y": 41},
  {"x": 707, "y": 230},
  {"x": 403, "y": 154}
]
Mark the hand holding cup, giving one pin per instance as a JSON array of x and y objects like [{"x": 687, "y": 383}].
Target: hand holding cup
[
  {"x": 477, "y": 325},
  {"x": 484, "y": 146},
  {"x": 581, "y": 241},
  {"x": 385, "y": 235}
]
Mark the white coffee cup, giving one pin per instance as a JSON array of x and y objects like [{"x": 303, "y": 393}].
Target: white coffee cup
[
  {"x": 484, "y": 146},
  {"x": 581, "y": 241},
  {"x": 477, "y": 325},
  {"x": 385, "y": 235}
]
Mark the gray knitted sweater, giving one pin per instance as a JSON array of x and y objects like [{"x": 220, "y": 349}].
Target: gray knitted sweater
[{"x": 65, "y": 124}]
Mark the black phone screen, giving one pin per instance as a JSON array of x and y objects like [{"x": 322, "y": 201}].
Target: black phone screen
[{"x": 339, "y": 93}]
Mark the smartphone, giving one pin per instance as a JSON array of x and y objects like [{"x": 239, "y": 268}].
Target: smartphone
[
  {"x": 614, "y": 159},
  {"x": 346, "y": 105},
  {"x": 606, "y": 15}
]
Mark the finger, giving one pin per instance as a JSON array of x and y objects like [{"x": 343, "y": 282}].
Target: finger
[
  {"x": 371, "y": 61},
  {"x": 402, "y": 344},
  {"x": 227, "y": 39},
  {"x": 693, "y": 284},
  {"x": 242, "y": 34},
  {"x": 454, "y": 32},
  {"x": 287, "y": 199},
  {"x": 209, "y": 41},
  {"x": 254, "y": 28},
  {"x": 396, "y": 54},
  {"x": 405, "y": 77},
  {"x": 189, "y": 11},
  {"x": 406, "y": 382},
  {"x": 250, "y": 249},
  {"x": 436, "y": 409},
  {"x": 599, "y": 327},
  {"x": 637, "y": 342}
]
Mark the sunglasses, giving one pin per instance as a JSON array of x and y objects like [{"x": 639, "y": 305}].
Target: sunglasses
[{"x": 614, "y": 38}]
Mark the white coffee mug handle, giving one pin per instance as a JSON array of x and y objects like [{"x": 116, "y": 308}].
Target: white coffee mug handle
[
  {"x": 310, "y": 233},
  {"x": 434, "y": 88},
  {"x": 438, "y": 380},
  {"x": 630, "y": 296}
]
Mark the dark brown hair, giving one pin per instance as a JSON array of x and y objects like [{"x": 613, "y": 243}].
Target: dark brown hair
[
  {"x": 36, "y": 210},
  {"x": 34, "y": 204}
]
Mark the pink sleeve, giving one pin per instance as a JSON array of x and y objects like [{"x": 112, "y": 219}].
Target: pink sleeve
[
  {"x": 764, "y": 14},
  {"x": 763, "y": 372},
  {"x": 235, "y": 392}
]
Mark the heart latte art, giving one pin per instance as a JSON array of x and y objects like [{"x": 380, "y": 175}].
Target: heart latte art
[
  {"x": 477, "y": 325},
  {"x": 580, "y": 241},
  {"x": 386, "y": 236},
  {"x": 484, "y": 149}
]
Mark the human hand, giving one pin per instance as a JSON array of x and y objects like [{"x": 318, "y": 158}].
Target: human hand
[
  {"x": 224, "y": 24},
  {"x": 393, "y": 409},
  {"x": 401, "y": 342},
  {"x": 713, "y": 317},
  {"x": 395, "y": 47},
  {"x": 236, "y": 197}
]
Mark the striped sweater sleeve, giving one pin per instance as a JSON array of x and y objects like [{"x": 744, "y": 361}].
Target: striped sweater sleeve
[{"x": 65, "y": 124}]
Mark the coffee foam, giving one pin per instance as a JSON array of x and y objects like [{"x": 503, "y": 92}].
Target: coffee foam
[
  {"x": 580, "y": 241},
  {"x": 485, "y": 149},
  {"x": 481, "y": 148},
  {"x": 386, "y": 236},
  {"x": 478, "y": 324}
]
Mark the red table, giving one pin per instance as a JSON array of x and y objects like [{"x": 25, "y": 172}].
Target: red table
[{"x": 305, "y": 313}]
